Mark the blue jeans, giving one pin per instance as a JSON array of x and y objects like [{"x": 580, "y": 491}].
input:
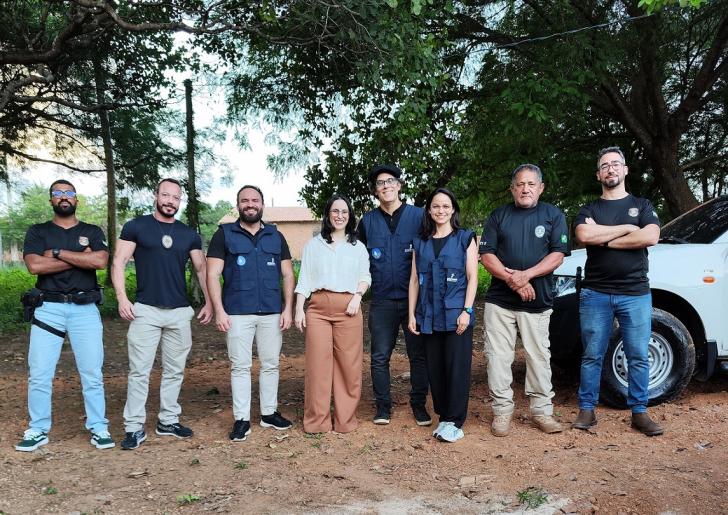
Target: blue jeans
[
  {"x": 85, "y": 332},
  {"x": 634, "y": 314},
  {"x": 385, "y": 318}
]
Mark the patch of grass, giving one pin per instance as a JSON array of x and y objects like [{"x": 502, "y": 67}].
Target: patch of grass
[
  {"x": 50, "y": 490},
  {"x": 316, "y": 445},
  {"x": 367, "y": 449},
  {"x": 532, "y": 497},
  {"x": 315, "y": 436},
  {"x": 188, "y": 498},
  {"x": 194, "y": 461},
  {"x": 241, "y": 465}
]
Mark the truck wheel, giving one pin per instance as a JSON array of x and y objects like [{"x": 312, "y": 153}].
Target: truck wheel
[{"x": 672, "y": 361}]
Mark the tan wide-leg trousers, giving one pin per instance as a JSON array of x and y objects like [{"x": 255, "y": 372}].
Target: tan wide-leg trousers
[{"x": 334, "y": 354}]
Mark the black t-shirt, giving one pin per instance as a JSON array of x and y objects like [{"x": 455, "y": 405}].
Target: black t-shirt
[
  {"x": 521, "y": 238},
  {"x": 617, "y": 271},
  {"x": 216, "y": 249},
  {"x": 391, "y": 220},
  {"x": 161, "y": 272},
  {"x": 45, "y": 236},
  {"x": 439, "y": 243}
]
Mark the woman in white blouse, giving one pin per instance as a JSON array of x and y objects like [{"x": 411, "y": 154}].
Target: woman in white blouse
[{"x": 335, "y": 274}]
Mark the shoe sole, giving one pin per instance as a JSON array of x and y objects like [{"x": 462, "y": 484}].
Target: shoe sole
[
  {"x": 584, "y": 427},
  {"x": 245, "y": 437},
  {"x": 650, "y": 433},
  {"x": 277, "y": 428},
  {"x": 424, "y": 423},
  {"x": 139, "y": 442},
  {"x": 29, "y": 449},
  {"x": 103, "y": 446},
  {"x": 381, "y": 421},
  {"x": 161, "y": 433}
]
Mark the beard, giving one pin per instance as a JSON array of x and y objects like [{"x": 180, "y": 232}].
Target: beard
[
  {"x": 161, "y": 212},
  {"x": 251, "y": 219},
  {"x": 612, "y": 182},
  {"x": 65, "y": 210}
]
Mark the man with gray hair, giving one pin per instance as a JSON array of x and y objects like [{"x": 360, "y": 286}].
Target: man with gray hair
[{"x": 522, "y": 244}]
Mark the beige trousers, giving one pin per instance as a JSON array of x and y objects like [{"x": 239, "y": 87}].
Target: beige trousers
[
  {"x": 334, "y": 355},
  {"x": 150, "y": 325},
  {"x": 501, "y": 327}
]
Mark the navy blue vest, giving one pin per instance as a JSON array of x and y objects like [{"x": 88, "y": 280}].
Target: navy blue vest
[
  {"x": 442, "y": 283},
  {"x": 390, "y": 255},
  {"x": 252, "y": 274}
]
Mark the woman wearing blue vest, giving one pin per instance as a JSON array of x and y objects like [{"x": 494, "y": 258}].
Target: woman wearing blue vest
[
  {"x": 335, "y": 274},
  {"x": 442, "y": 289}
]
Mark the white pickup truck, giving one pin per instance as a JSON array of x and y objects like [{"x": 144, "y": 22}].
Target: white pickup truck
[{"x": 689, "y": 282}]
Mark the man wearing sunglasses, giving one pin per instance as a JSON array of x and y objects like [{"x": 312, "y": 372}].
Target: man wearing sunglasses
[
  {"x": 388, "y": 232},
  {"x": 65, "y": 253},
  {"x": 616, "y": 229}
]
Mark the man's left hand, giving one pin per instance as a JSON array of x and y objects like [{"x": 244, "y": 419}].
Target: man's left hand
[
  {"x": 205, "y": 314},
  {"x": 517, "y": 279}
]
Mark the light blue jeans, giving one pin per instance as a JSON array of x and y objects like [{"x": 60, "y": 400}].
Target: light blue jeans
[
  {"x": 85, "y": 332},
  {"x": 634, "y": 314}
]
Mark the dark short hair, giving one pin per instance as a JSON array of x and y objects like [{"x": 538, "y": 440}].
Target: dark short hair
[
  {"x": 526, "y": 166},
  {"x": 350, "y": 229},
  {"x": 608, "y": 150},
  {"x": 168, "y": 179},
  {"x": 250, "y": 187},
  {"x": 60, "y": 181},
  {"x": 427, "y": 229}
]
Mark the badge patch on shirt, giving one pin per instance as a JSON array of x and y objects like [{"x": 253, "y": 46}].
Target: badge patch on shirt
[
  {"x": 376, "y": 253},
  {"x": 422, "y": 279},
  {"x": 539, "y": 231},
  {"x": 409, "y": 249},
  {"x": 564, "y": 239},
  {"x": 83, "y": 241},
  {"x": 272, "y": 262},
  {"x": 452, "y": 278},
  {"x": 241, "y": 260},
  {"x": 633, "y": 211}
]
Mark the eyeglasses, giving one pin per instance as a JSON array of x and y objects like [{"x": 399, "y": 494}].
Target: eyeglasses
[
  {"x": 604, "y": 167},
  {"x": 167, "y": 196},
  {"x": 386, "y": 182},
  {"x": 337, "y": 212},
  {"x": 63, "y": 193}
]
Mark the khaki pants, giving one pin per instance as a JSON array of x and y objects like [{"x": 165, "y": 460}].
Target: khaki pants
[
  {"x": 501, "y": 326},
  {"x": 334, "y": 356},
  {"x": 267, "y": 333},
  {"x": 151, "y": 324}
]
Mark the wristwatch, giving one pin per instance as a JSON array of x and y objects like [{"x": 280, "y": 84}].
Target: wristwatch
[
  {"x": 56, "y": 253},
  {"x": 359, "y": 293},
  {"x": 468, "y": 310}
]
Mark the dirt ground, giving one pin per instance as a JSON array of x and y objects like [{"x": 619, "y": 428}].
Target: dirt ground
[{"x": 397, "y": 468}]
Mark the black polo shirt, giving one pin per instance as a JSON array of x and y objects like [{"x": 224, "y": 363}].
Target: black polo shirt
[
  {"x": 521, "y": 238},
  {"x": 391, "y": 220},
  {"x": 617, "y": 271},
  {"x": 45, "y": 236}
]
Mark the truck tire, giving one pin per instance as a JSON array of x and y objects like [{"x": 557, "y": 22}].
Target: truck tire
[{"x": 672, "y": 361}]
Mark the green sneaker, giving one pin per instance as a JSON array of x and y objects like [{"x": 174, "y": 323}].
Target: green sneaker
[
  {"x": 102, "y": 440},
  {"x": 32, "y": 439}
]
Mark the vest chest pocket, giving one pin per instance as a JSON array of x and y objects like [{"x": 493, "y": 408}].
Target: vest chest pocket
[{"x": 453, "y": 269}]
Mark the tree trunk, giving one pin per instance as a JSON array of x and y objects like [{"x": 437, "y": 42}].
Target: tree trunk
[
  {"x": 109, "y": 162},
  {"x": 674, "y": 186},
  {"x": 193, "y": 205}
]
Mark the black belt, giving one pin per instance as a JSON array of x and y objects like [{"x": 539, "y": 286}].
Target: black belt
[{"x": 65, "y": 298}]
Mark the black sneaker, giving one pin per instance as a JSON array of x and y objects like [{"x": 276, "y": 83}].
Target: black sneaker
[
  {"x": 241, "y": 430},
  {"x": 276, "y": 421},
  {"x": 421, "y": 416},
  {"x": 133, "y": 440},
  {"x": 382, "y": 417},
  {"x": 177, "y": 430}
]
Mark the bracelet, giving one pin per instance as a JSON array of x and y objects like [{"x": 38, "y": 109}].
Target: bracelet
[{"x": 359, "y": 293}]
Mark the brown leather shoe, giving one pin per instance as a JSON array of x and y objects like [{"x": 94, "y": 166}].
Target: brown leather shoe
[
  {"x": 585, "y": 419},
  {"x": 645, "y": 425},
  {"x": 501, "y": 425},
  {"x": 546, "y": 423}
]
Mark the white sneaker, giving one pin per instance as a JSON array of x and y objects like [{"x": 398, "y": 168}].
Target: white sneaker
[
  {"x": 441, "y": 426},
  {"x": 450, "y": 434}
]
